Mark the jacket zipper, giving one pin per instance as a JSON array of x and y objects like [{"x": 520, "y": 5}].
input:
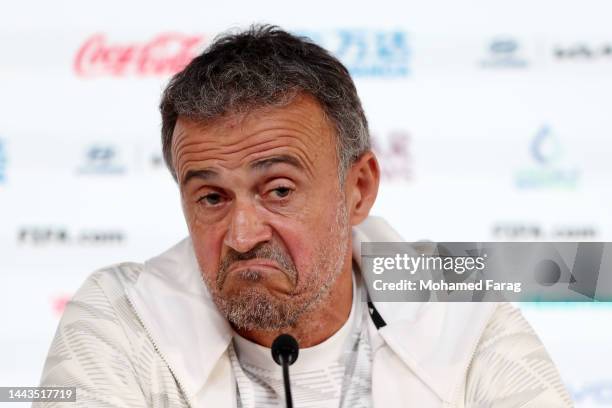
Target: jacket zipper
[{"x": 178, "y": 381}]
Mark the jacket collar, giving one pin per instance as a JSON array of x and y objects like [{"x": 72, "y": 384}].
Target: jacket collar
[
  {"x": 173, "y": 304},
  {"x": 435, "y": 340}
]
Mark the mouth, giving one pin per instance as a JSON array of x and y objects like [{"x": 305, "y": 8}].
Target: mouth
[
  {"x": 261, "y": 264},
  {"x": 258, "y": 269}
]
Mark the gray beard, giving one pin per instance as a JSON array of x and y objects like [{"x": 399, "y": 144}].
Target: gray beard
[{"x": 255, "y": 308}]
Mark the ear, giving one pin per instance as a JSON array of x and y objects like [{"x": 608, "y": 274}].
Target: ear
[{"x": 361, "y": 187}]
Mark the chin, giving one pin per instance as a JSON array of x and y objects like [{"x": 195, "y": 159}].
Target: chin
[{"x": 257, "y": 308}]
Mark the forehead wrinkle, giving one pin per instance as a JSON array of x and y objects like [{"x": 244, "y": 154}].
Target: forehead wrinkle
[
  {"x": 200, "y": 147},
  {"x": 214, "y": 174},
  {"x": 180, "y": 142},
  {"x": 182, "y": 160},
  {"x": 226, "y": 141},
  {"x": 249, "y": 156},
  {"x": 315, "y": 132},
  {"x": 219, "y": 154},
  {"x": 193, "y": 149},
  {"x": 299, "y": 145},
  {"x": 294, "y": 151},
  {"x": 243, "y": 121}
]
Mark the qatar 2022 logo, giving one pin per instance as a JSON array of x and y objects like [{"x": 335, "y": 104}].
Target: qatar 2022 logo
[
  {"x": 550, "y": 169},
  {"x": 381, "y": 53}
]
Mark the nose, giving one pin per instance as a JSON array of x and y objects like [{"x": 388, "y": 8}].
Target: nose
[{"x": 247, "y": 228}]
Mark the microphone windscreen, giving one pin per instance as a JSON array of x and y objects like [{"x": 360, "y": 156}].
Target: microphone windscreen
[{"x": 287, "y": 346}]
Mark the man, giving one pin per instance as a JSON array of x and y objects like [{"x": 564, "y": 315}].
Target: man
[{"x": 266, "y": 138}]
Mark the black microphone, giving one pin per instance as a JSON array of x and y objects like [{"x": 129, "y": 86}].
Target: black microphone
[{"x": 285, "y": 352}]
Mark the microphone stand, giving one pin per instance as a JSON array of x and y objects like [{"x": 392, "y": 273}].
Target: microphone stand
[
  {"x": 285, "y": 352},
  {"x": 288, "y": 398}
]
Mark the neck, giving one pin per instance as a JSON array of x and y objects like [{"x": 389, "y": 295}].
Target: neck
[{"x": 317, "y": 325}]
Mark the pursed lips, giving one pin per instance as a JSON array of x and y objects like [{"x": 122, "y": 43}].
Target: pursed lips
[
  {"x": 258, "y": 263},
  {"x": 253, "y": 263}
]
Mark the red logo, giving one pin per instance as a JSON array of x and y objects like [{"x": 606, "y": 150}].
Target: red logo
[
  {"x": 58, "y": 303},
  {"x": 165, "y": 54}
]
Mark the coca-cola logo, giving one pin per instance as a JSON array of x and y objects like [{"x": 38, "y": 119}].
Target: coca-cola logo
[{"x": 165, "y": 54}]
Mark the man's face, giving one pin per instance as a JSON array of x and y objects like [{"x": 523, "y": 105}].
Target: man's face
[{"x": 265, "y": 210}]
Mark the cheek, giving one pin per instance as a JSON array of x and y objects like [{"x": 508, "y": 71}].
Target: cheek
[
  {"x": 207, "y": 240},
  {"x": 207, "y": 244},
  {"x": 306, "y": 240}
]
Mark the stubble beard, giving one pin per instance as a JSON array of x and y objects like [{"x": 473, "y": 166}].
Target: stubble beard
[{"x": 254, "y": 307}]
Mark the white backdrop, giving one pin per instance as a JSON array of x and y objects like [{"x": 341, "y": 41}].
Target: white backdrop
[{"x": 491, "y": 121}]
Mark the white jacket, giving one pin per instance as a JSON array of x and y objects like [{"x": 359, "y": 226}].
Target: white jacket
[{"x": 149, "y": 335}]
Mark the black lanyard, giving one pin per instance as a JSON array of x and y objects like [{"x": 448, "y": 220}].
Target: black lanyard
[{"x": 376, "y": 317}]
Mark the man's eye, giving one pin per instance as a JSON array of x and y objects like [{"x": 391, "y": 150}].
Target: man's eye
[
  {"x": 282, "y": 192},
  {"x": 210, "y": 199}
]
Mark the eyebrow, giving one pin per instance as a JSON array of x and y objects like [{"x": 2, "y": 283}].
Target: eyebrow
[
  {"x": 262, "y": 164},
  {"x": 204, "y": 174},
  {"x": 282, "y": 158}
]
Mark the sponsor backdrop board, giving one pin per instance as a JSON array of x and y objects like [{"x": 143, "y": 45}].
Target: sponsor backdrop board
[{"x": 490, "y": 119}]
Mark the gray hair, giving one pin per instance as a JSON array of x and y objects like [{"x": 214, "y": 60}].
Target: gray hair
[{"x": 265, "y": 66}]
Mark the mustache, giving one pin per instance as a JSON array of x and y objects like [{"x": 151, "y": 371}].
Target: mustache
[{"x": 264, "y": 250}]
